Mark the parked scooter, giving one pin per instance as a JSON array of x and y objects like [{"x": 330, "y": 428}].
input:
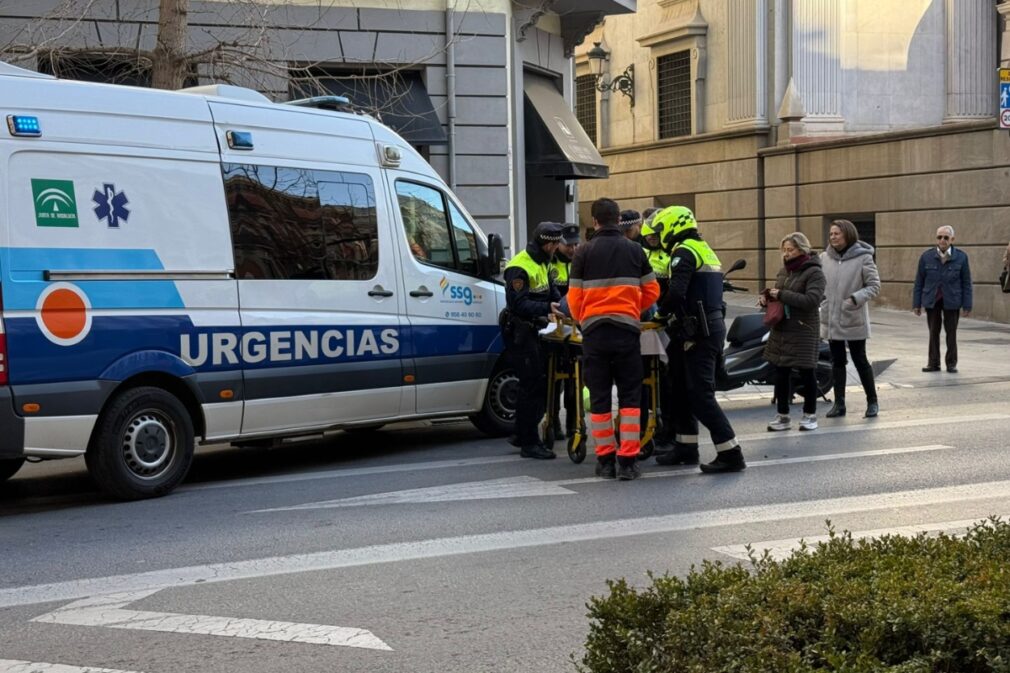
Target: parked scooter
[{"x": 743, "y": 357}]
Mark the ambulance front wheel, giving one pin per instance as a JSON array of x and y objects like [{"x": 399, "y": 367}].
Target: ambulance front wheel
[
  {"x": 9, "y": 466},
  {"x": 142, "y": 446},
  {"x": 497, "y": 415}
]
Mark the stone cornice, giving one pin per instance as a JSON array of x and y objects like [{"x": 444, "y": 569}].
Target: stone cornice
[
  {"x": 686, "y": 140},
  {"x": 886, "y": 137}
]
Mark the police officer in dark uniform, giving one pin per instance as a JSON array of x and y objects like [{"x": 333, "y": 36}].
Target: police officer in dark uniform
[
  {"x": 531, "y": 297},
  {"x": 698, "y": 330}
]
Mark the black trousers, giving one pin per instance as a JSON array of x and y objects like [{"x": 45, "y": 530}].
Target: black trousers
[
  {"x": 857, "y": 349},
  {"x": 948, "y": 318},
  {"x": 530, "y": 366},
  {"x": 612, "y": 355},
  {"x": 784, "y": 389},
  {"x": 692, "y": 373}
]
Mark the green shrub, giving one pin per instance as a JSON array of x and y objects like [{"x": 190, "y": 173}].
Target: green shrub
[{"x": 900, "y": 605}]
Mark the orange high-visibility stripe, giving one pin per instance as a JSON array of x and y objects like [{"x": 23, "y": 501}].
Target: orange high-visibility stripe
[
  {"x": 603, "y": 434},
  {"x": 629, "y": 448},
  {"x": 629, "y": 427},
  {"x": 601, "y": 418},
  {"x": 604, "y": 449},
  {"x": 631, "y": 411}
]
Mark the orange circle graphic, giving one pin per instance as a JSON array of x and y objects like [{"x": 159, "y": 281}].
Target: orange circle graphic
[{"x": 64, "y": 313}]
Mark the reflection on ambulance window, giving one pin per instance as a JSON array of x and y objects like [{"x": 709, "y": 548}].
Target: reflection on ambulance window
[
  {"x": 301, "y": 224},
  {"x": 435, "y": 236},
  {"x": 465, "y": 241}
]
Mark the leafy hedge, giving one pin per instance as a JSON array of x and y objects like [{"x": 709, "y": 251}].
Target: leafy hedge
[{"x": 900, "y": 605}]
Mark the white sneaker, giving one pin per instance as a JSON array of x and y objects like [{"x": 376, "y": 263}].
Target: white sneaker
[
  {"x": 780, "y": 423},
  {"x": 809, "y": 422}
]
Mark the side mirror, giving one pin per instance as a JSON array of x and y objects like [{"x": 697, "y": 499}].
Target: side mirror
[
  {"x": 737, "y": 265},
  {"x": 495, "y": 255}
]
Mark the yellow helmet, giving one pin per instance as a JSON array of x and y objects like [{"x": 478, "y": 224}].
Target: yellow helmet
[
  {"x": 647, "y": 229},
  {"x": 671, "y": 222}
]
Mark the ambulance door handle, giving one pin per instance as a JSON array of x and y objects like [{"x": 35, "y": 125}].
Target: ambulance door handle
[
  {"x": 379, "y": 291},
  {"x": 422, "y": 292}
]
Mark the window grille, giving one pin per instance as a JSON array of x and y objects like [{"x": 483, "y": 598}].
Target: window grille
[
  {"x": 674, "y": 91},
  {"x": 585, "y": 104}
]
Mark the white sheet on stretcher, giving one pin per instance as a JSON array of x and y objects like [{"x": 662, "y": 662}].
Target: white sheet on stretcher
[{"x": 654, "y": 341}]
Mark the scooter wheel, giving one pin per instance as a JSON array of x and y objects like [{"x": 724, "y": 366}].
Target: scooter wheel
[{"x": 577, "y": 449}]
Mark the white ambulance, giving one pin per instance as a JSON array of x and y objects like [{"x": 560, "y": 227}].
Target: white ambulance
[{"x": 207, "y": 266}]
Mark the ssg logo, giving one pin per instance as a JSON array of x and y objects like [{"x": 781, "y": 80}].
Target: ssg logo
[{"x": 458, "y": 293}]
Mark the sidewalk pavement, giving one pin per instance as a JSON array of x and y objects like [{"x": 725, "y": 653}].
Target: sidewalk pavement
[{"x": 897, "y": 350}]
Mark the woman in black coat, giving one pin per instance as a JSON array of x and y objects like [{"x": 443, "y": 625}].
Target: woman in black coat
[{"x": 795, "y": 340}]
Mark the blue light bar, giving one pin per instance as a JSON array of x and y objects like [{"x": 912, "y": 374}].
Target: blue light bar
[
  {"x": 24, "y": 125},
  {"x": 240, "y": 140}
]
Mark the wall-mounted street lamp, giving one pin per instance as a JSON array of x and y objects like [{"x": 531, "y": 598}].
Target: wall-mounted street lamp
[{"x": 625, "y": 82}]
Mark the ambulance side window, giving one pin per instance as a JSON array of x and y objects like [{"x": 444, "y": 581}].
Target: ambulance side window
[
  {"x": 466, "y": 242},
  {"x": 423, "y": 211},
  {"x": 298, "y": 224}
]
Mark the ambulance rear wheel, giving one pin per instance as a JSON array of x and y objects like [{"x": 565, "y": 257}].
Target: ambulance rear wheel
[
  {"x": 9, "y": 466},
  {"x": 142, "y": 446},
  {"x": 498, "y": 413}
]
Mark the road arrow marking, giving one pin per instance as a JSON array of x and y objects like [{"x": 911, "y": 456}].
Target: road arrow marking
[
  {"x": 16, "y": 666},
  {"x": 509, "y": 487},
  {"x": 396, "y": 552},
  {"x": 108, "y": 611},
  {"x": 526, "y": 487},
  {"x": 782, "y": 549}
]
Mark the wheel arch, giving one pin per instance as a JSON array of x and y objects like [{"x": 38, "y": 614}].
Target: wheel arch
[{"x": 180, "y": 388}]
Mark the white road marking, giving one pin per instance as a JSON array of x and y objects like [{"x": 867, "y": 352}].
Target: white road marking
[
  {"x": 875, "y": 424},
  {"x": 16, "y": 666},
  {"x": 510, "y": 487},
  {"x": 485, "y": 542},
  {"x": 525, "y": 487},
  {"x": 781, "y": 549},
  {"x": 107, "y": 610},
  {"x": 353, "y": 472}
]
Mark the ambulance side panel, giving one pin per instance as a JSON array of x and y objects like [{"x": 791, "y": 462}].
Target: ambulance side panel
[
  {"x": 115, "y": 252},
  {"x": 317, "y": 269}
]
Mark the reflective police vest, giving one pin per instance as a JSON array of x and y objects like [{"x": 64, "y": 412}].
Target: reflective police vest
[
  {"x": 660, "y": 263},
  {"x": 560, "y": 271},
  {"x": 706, "y": 281},
  {"x": 540, "y": 285}
]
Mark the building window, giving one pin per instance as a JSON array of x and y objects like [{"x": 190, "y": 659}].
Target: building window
[
  {"x": 674, "y": 94},
  {"x": 585, "y": 104},
  {"x": 102, "y": 68},
  {"x": 301, "y": 224}
]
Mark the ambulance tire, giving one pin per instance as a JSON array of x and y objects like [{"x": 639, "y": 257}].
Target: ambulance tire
[
  {"x": 142, "y": 446},
  {"x": 10, "y": 466},
  {"x": 496, "y": 417}
]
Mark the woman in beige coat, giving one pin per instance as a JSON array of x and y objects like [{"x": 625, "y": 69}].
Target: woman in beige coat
[{"x": 852, "y": 281}]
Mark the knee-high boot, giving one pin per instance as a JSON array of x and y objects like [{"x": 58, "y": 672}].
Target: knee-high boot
[
  {"x": 838, "y": 408},
  {"x": 870, "y": 388}
]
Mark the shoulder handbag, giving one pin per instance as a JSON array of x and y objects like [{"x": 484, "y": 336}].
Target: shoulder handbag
[
  {"x": 774, "y": 313},
  {"x": 1004, "y": 281}
]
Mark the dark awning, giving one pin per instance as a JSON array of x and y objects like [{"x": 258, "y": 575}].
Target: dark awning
[
  {"x": 556, "y": 144},
  {"x": 398, "y": 99}
]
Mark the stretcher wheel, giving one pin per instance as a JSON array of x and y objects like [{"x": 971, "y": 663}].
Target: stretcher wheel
[
  {"x": 577, "y": 448},
  {"x": 646, "y": 450}
]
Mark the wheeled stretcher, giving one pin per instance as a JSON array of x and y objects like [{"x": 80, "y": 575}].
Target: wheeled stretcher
[{"x": 562, "y": 342}]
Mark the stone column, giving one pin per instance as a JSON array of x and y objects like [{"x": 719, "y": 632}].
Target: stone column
[
  {"x": 817, "y": 62},
  {"x": 747, "y": 27},
  {"x": 1004, "y": 33},
  {"x": 971, "y": 60}
]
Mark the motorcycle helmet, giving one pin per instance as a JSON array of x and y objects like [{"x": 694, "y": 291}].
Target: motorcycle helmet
[{"x": 671, "y": 223}]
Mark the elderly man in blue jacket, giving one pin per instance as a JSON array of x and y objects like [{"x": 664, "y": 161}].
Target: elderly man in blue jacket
[{"x": 943, "y": 288}]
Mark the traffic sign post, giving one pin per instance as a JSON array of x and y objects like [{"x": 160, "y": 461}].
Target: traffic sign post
[{"x": 1004, "y": 98}]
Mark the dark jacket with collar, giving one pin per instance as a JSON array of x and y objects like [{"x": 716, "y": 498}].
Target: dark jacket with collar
[
  {"x": 954, "y": 278},
  {"x": 794, "y": 341}
]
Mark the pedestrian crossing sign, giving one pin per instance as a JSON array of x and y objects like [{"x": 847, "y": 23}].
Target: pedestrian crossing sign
[{"x": 1004, "y": 98}]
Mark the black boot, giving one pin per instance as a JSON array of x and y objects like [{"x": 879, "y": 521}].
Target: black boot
[
  {"x": 870, "y": 388},
  {"x": 726, "y": 461},
  {"x": 606, "y": 466},
  {"x": 838, "y": 408},
  {"x": 538, "y": 451},
  {"x": 682, "y": 454},
  {"x": 627, "y": 468}
]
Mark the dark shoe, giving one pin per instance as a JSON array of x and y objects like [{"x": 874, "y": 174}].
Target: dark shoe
[
  {"x": 952, "y": 370},
  {"x": 606, "y": 467},
  {"x": 872, "y": 409},
  {"x": 627, "y": 469},
  {"x": 514, "y": 441},
  {"x": 538, "y": 451},
  {"x": 558, "y": 432},
  {"x": 836, "y": 410},
  {"x": 725, "y": 461},
  {"x": 682, "y": 454},
  {"x": 931, "y": 368}
]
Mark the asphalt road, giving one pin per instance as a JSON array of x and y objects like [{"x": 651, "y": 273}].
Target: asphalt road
[{"x": 484, "y": 564}]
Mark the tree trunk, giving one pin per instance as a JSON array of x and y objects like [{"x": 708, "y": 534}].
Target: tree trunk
[{"x": 168, "y": 70}]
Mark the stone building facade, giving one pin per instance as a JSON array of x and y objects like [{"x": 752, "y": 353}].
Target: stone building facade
[
  {"x": 770, "y": 116},
  {"x": 471, "y": 61}
]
